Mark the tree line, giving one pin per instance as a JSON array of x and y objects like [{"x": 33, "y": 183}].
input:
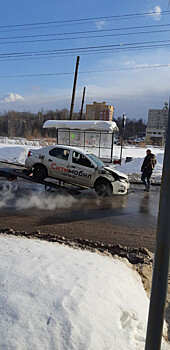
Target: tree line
[
  {"x": 30, "y": 125},
  {"x": 132, "y": 127}
]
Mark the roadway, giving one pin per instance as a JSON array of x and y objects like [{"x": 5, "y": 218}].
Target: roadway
[{"x": 129, "y": 220}]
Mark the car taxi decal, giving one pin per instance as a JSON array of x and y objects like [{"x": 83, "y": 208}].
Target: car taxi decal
[
  {"x": 54, "y": 166},
  {"x": 69, "y": 172}
]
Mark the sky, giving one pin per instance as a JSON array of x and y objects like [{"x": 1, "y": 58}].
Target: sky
[
  {"x": 56, "y": 297},
  {"x": 123, "y": 48}
]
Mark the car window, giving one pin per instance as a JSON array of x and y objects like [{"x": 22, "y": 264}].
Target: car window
[
  {"x": 61, "y": 153},
  {"x": 80, "y": 159},
  {"x": 96, "y": 160}
]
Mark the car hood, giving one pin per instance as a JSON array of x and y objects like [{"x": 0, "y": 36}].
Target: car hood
[{"x": 114, "y": 171}]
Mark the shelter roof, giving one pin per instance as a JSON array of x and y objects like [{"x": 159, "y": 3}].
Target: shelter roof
[{"x": 98, "y": 125}]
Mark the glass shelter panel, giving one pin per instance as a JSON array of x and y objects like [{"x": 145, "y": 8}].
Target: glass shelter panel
[
  {"x": 63, "y": 137},
  {"x": 99, "y": 143}
]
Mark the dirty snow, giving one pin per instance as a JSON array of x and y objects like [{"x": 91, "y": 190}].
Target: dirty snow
[{"x": 56, "y": 297}]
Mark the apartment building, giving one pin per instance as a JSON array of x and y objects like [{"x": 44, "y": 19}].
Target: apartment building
[
  {"x": 157, "y": 125},
  {"x": 99, "y": 111}
]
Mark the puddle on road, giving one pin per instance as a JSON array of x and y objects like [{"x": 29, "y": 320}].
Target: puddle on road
[{"x": 33, "y": 199}]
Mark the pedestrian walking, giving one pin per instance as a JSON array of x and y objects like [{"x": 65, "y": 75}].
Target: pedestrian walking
[{"x": 147, "y": 168}]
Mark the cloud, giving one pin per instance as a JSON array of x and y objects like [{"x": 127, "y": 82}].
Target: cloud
[
  {"x": 156, "y": 13},
  {"x": 133, "y": 64},
  {"x": 11, "y": 97},
  {"x": 129, "y": 63},
  {"x": 100, "y": 24}
]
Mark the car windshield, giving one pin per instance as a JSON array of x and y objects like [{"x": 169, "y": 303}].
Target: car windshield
[{"x": 96, "y": 160}]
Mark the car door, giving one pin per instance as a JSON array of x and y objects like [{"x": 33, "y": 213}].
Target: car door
[
  {"x": 81, "y": 170},
  {"x": 57, "y": 162}
]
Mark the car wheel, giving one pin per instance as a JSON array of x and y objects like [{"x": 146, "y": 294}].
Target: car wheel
[
  {"x": 103, "y": 187},
  {"x": 39, "y": 172}
]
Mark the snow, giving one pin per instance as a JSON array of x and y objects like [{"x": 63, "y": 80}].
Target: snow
[
  {"x": 81, "y": 125},
  {"x": 57, "y": 297},
  {"x": 60, "y": 298},
  {"x": 16, "y": 151},
  {"x": 13, "y": 154},
  {"x": 133, "y": 168}
]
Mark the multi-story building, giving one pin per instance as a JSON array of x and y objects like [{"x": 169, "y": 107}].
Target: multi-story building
[
  {"x": 157, "y": 125},
  {"x": 99, "y": 111}
]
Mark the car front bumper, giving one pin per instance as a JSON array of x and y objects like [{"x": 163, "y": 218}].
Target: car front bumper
[{"x": 119, "y": 187}]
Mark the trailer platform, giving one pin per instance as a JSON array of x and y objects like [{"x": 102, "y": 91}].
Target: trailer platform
[{"x": 19, "y": 171}]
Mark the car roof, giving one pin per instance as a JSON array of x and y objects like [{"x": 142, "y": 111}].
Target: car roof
[{"x": 77, "y": 149}]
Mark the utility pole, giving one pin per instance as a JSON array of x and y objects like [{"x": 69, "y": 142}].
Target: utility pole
[
  {"x": 161, "y": 259},
  {"x": 74, "y": 88},
  {"x": 123, "y": 133},
  {"x": 82, "y": 103}
]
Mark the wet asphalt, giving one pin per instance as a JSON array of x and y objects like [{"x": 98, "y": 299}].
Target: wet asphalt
[
  {"x": 128, "y": 219},
  {"x": 137, "y": 208}
]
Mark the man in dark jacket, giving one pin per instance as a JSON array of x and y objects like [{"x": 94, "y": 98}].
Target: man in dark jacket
[{"x": 147, "y": 168}]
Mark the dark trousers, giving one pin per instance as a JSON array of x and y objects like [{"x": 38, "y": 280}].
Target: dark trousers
[{"x": 146, "y": 175}]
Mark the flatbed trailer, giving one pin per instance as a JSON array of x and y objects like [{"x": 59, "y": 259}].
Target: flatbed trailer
[{"x": 11, "y": 173}]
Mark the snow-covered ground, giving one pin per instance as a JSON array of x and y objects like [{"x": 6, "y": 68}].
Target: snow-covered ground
[
  {"x": 133, "y": 168},
  {"x": 16, "y": 151},
  {"x": 58, "y": 298}
]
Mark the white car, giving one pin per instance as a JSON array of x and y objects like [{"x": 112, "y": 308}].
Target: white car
[{"x": 77, "y": 167}]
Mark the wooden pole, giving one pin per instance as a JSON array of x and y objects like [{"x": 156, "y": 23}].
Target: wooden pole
[
  {"x": 82, "y": 103},
  {"x": 74, "y": 88}
]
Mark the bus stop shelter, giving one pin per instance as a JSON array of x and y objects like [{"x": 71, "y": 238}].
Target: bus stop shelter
[{"x": 95, "y": 136}]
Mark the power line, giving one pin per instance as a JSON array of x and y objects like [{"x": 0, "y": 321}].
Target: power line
[
  {"x": 91, "y": 52},
  {"x": 79, "y": 49},
  {"x": 85, "y": 72},
  {"x": 85, "y": 37},
  {"x": 87, "y": 52},
  {"x": 86, "y": 31},
  {"x": 86, "y": 20}
]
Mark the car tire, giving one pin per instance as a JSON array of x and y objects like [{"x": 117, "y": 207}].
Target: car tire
[
  {"x": 103, "y": 187},
  {"x": 40, "y": 172}
]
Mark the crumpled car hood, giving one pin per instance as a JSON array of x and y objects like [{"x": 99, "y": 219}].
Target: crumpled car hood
[{"x": 114, "y": 171}]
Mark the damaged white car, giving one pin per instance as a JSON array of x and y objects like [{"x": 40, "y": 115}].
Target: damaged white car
[{"x": 77, "y": 167}]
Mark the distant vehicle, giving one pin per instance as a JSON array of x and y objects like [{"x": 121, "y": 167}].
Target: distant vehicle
[{"x": 77, "y": 167}]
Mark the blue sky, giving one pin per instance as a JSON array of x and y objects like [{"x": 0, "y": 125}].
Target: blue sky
[{"x": 123, "y": 49}]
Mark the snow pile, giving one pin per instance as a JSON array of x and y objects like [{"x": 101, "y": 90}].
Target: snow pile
[
  {"x": 55, "y": 297},
  {"x": 19, "y": 141},
  {"x": 16, "y": 154},
  {"x": 133, "y": 168}
]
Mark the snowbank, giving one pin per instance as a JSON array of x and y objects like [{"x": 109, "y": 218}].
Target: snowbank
[
  {"x": 133, "y": 168},
  {"x": 55, "y": 297},
  {"x": 16, "y": 154}
]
